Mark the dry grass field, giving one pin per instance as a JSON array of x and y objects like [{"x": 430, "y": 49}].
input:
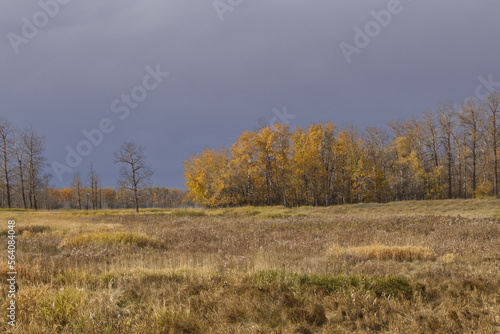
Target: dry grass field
[{"x": 408, "y": 267}]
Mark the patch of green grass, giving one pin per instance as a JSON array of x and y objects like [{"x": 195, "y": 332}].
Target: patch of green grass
[
  {"x": 35, "y": 229},
  {"x": 177, "y": 322},
  {"x": 157, "y": 213},
  {"x": 215, "y": 213},
  {"x": 60, "y": 309},
  {"x": 366, "y": 205},
  {"x": 28, "y": 230},
  {"x": 252, "y": 213},
  {"x": 392, "y": 286},
  {"x": 154, "y": 210},
  {"x": 382, "y": 286},
  {"x": 274, "y": 215},
  {"x": 189, "y": 213}
]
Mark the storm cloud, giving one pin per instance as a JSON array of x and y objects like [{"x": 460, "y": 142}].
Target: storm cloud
[{"x": 228, "y": 67}]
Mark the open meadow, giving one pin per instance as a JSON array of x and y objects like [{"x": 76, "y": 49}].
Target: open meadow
[{"x": 405, "y": 267}]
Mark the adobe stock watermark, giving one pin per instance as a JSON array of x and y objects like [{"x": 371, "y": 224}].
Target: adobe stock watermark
[
  {"x": 11, "y": 273},
  {"x": 485, "y": 84},
  {"x": 225, "y": 6},
  {"x": 39, "y": 20},
  {"x": 279, "y": 117},
  {"x": 485, "y": 87},
  {"x": 372, "y": 29},
  {"x": 122, "y": 108}
]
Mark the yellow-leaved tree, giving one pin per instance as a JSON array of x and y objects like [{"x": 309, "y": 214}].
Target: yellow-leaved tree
[{"x": 207, "y": 178}]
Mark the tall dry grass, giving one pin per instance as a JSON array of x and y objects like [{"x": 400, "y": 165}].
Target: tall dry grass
[
  {"x": 382, "y": 252},
  {"x": 258, "y": 270}
]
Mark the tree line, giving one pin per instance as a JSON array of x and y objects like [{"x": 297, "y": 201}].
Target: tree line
[
  {"x": 86, "y": 198},
  {"x": 22, "y": 166},
  {"x": 25, "y": 183},
  {"x": 451, "y": 152}
]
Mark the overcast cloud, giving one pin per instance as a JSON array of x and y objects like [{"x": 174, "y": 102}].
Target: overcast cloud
[{"x": 225, "y": 75}]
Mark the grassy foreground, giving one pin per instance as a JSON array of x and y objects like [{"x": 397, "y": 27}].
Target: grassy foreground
[{"x": 408, "y": 267}]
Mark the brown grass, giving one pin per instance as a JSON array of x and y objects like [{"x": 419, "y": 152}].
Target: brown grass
[
  {"x": 259, "y": 270},
  {"x": 381, "y": 252},
  {"x": 111, "y": 238}
]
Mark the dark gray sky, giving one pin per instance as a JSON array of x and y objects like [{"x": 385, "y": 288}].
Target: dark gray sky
[{"x": 227, "y": 74}]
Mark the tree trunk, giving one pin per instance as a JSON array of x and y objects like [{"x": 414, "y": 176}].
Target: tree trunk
[
  {"x": 22, "y": 192},
  {"x": 495, "y": 157},
  {"x": 136, "y": 197},
  {"x": 7, "y": 181},
  {"x": 79, "y": 200}
]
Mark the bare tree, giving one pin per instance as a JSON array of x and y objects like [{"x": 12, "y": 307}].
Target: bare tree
[
  {"x": 446, "y": 119},
  {"x": 20, "y": 167},
  {"x": 94, "y": 185},
  {"x": 77, "y": 187},
  {"x": 33, "y": 145},
  {"x": 6, "y": 137},
  {"x": 470, "y": 116},
  {"x": 431, "y": 142},
  {"x": 134, "y": 173},
  {"x": 492, "y": 103}
]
